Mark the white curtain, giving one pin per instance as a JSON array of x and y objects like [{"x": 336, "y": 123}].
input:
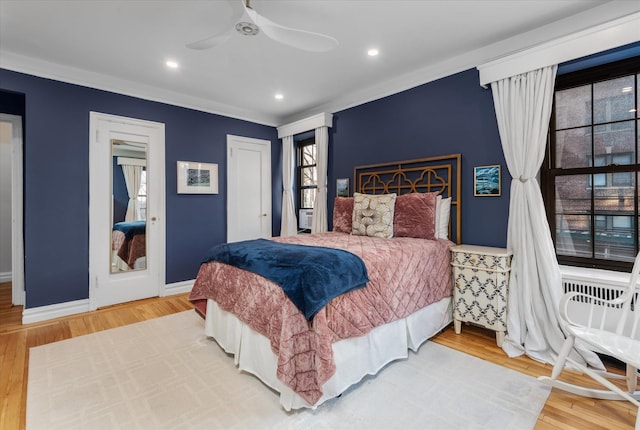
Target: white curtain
[
  {"x": 319, "y": 220},
  {"x": 523, "y": 108},
  {"x": 289, "y": 222},
  {"x": 132, "y": 178}
]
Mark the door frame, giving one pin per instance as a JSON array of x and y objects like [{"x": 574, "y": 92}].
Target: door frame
[
  {"x": 17, "y": 209},
  {"x": 265, "y": 145},
  {"x": 156, "y": 269}
]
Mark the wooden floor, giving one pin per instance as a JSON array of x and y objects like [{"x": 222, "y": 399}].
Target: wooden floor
[{"x": 562, "y": 411}]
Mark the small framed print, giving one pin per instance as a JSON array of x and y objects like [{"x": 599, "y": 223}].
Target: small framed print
[
  {"x": 342, "y": 187},
  {"x": 486, "y": 181},
  {"x": 197, "y": 178}
]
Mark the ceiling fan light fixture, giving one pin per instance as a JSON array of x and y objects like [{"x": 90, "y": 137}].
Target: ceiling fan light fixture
[{"x": 247, "y": 28}]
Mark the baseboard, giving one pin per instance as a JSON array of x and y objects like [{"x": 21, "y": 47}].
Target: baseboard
[
  {"x": 58, "y": 310},
  {"x": 178, "y": 287},
  {"x": 43, "y": 313},
  {"x": 5, "y": 277}
]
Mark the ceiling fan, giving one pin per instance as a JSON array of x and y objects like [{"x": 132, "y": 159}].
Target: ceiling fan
[{"x": 301, "y": 39}]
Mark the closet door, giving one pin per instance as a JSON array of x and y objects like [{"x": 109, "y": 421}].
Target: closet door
[{"x": 126, "y": 206}]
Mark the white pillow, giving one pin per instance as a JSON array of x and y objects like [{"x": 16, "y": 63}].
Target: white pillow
[{"x": 443, "y": 212}]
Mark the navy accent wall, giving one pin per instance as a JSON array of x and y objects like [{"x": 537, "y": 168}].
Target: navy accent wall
[
  {"x": 120, "y": 193},
  {"x": 451, "y": 115},
  {"x": 56, "y": 157}
]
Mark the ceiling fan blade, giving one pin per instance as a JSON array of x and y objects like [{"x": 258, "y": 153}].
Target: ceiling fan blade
[
  {"x": 301, "y": 39},
  {"x": 212, "y": 41},
  {"x": 217, "y": 39}
]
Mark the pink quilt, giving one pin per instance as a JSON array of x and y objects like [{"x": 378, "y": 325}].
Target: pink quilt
[{"x": 406, "y": 274}]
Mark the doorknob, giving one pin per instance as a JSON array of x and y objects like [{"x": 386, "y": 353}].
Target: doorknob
[
  {"x": 264, "y": 215},
  {"x": 153, "y": 218}
]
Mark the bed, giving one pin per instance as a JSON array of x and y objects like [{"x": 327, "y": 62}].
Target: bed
[
  {"x": 309, "y": 360},
  {"x": 128, "y": 245}
]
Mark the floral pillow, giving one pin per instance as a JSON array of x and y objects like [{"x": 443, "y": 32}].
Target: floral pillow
[
  {"x": 373, "y": 215},
  {"x": 343, "y": 214},
  {"x": 415, "y": 215}
]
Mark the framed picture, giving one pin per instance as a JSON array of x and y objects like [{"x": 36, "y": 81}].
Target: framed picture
[
  {"x": 197, "y": 178},
  {"x": 486, "y": 181},
  {"x": 342, "y": 187}
]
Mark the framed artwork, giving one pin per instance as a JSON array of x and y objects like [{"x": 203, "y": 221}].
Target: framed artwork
[
  {"x": 342, "y": 187},
  {"x": 197, "y": 178},
  {"x": 486, "y": 181}
]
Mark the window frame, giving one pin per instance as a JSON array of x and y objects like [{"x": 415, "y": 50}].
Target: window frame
[
  {"x": 299, "y": 168},
  {"x": 549, "y": 173}
]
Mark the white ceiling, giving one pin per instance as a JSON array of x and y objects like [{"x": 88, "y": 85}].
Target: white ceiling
[{"x": 122, "y": 46}]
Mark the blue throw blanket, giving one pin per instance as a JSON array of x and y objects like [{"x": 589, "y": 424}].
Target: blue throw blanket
[
  {"x": 130, "y": 228},
  {"x": 309, "y": 275}
]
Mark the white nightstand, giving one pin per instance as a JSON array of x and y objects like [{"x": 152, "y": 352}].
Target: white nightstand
[{"x": 480, "y": 287}]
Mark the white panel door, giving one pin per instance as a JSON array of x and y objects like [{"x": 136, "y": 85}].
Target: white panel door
[
  {"x": 248, "y": 188},
  {"x": 107, "y": 286}
]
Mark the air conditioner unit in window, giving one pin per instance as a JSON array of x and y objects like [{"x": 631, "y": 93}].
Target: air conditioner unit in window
[{"x": 304, "y": 219}]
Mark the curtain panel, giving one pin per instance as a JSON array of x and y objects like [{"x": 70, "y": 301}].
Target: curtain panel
[
  {"x": 289, "y": 222},
  {"x": 523, "y": 109},
  {"x": 319, "y": 222},
  {"x": 132, "y": 179}
]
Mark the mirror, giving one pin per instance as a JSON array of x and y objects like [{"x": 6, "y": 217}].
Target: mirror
[{"x": 128, "y": 206}]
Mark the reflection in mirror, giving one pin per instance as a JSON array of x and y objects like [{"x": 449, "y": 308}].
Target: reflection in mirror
[{"x": 129, "y": 206}]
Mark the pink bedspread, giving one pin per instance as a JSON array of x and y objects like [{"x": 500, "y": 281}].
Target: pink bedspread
[{"x": 406, "y": 274}]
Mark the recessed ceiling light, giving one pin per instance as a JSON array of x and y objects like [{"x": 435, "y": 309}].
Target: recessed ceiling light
[
  {"x": 279, "y": 96},
  {"x": 171, "y": 64},
  {"x": 372, "y": 52}
]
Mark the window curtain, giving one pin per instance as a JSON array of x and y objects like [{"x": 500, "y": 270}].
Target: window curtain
[
  {"x": 289, "y": 222},
  {"x": 523, "y": 109},
  {"x": 319, "y": 220},
  {"x": 132, "y": 178}
]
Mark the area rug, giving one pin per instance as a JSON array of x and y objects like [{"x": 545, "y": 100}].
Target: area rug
[{"x": 165, "y": 374}]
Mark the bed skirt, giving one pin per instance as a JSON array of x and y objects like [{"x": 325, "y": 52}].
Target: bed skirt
[{"x": 355, "y": 358}]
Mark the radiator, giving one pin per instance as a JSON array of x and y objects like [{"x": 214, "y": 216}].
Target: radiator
[{"x": 602, "y": 288}]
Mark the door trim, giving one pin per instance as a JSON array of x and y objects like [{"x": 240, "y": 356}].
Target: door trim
[
  {"x": 17, "y": 209},
  {"x": 158, "y": 164}
]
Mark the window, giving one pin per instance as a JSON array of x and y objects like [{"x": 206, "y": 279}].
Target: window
[
  {"x": 307, "y": 173},
  {"x": 142, "y": 195},
  {"x": 591, "y": 172}
]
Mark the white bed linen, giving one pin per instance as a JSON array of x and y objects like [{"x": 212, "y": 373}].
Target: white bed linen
[{"x": 355, "y": 358}]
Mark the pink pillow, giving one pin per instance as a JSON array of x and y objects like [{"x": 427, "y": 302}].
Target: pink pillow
[
  {"x": 342, "y": 213},
  {"x": 415, "y": 215}
]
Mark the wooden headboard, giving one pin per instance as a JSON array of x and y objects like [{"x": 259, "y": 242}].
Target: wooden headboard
[{"x": 423, "y": 175}]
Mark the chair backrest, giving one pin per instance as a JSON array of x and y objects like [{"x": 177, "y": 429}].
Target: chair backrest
[{"x": 630, "y": 318}]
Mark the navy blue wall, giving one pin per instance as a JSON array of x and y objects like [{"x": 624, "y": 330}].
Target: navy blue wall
[
  {"x": 451, "y": 115},
  {"x": 56, "y": 158},
  {"x": 120, "y": 194}
]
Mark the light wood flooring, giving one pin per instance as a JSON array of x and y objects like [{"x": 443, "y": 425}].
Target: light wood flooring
[{"x": 561, "y": 411}]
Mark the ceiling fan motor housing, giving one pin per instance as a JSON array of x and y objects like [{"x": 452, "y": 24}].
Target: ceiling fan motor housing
[{"x": 247, "y": 28}]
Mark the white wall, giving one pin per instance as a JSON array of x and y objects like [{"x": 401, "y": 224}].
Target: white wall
[{"x": 5, "y": 201}]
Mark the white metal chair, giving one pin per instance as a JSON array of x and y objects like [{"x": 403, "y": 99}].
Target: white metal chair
[{"x": 612, "y": 328}]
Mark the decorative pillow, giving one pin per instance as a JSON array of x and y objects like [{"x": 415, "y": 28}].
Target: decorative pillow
[
  {"x": 342, "y": 214},
  {"x": 443, "y": 211},
  {"x": 415, "y": 215},
  {"x": 373, "y": 215}
]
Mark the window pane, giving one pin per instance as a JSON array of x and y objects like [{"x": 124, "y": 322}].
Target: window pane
[
  {"x": 308, "y": 176},
  {"x": 615, "y": 240},
  {"x": 613, "y": 100},
  {"x": 573, "y": 208},
  {"x": 573, "y": 107},
  {"x": 308, "y": 155},
  {"x": 573, "y": 148},
  {"x": 614, "y": 146},
  {"x": 573, "y": 235},
  {"x": 308, "y": 198}
]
